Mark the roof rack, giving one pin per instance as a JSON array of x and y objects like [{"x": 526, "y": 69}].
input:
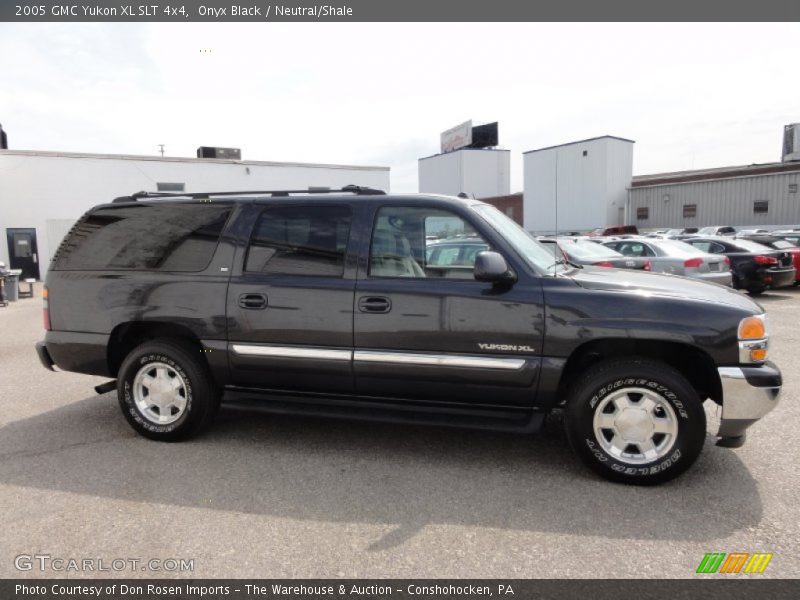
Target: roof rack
[{"x": 348, "y": 189}]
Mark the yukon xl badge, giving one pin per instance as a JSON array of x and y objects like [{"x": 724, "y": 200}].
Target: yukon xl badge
[{"x": 505, "y": 347}]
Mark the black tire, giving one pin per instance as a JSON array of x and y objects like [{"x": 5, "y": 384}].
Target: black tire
[
  {"x": 615, "y": 375},
  {"x": 199, "y": 391},
  {"x": 756, "y": 291}
]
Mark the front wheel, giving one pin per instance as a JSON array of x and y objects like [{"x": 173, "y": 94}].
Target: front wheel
[
  {"x": 635, "y": 421},
  {"x": 165, "y": 390}
]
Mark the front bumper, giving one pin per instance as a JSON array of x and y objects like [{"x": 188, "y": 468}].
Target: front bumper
[{"x": 748, "y": 393}]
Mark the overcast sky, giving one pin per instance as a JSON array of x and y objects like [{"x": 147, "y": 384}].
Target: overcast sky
[{"x": 691, "y": 96}]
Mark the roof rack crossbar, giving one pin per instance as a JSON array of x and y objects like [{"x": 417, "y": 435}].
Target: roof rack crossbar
[{"x": 348, "y": 189}]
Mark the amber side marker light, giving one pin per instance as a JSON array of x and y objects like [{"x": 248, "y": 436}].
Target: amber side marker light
[
  {"x": 753, "y": 339},
  {"x": 46, "y": 309},
  {"x": 752, "y": 328}
]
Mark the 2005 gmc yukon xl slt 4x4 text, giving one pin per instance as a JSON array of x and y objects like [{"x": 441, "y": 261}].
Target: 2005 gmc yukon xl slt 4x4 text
[{"x": 323, "y": 303}]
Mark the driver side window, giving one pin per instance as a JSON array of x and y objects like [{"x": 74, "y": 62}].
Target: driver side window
[{"x": 423, "y": 242}]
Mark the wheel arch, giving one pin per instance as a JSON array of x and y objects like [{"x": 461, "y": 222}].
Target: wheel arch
[
  {"x": 692, "y": 362},
  {"x": 127, "y": 336}
]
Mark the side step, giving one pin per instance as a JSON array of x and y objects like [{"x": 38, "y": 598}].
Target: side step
[
  {"x": 504, "y": 418},
  {"x": 104, "y": 388}
]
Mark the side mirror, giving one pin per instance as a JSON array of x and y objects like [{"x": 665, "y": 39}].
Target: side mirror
[{"x": 491, "y": 267}]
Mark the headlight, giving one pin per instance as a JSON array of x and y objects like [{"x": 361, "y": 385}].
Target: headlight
[{"x": 753, "y": 339}]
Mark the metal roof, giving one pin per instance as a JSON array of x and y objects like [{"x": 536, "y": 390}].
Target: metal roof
[
  {"x": 186, "y": 159},
  {"x": 599, "y": 137},
  {"x": 715, "y": 173}
]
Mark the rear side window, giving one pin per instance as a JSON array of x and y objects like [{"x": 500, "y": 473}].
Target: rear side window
[
  {"x": 300, "y": 240},
  {"x": 167, "y": 237}
]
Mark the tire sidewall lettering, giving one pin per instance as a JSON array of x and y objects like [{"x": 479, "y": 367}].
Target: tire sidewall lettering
[
  {"x": 133, "y": 410},
  {"x": 662, "y": 464}
]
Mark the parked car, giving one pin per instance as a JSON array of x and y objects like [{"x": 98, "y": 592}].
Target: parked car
[
  {"x": 790, "y": 235},
  {"x": 677, "y": 258},
  {"x": 614, "y": 230},
  {"x": 744, "y": 232},
  {"x": 755, "y": 268},
  {"x": 589, "y": 254},
  {"x": 324, "y": 303},
  {"x": 453, "y": 258},
  {"x": 672, "y": 233},
  {"x": 718, "y": 230},
  {"x": 777, "y": 243}
]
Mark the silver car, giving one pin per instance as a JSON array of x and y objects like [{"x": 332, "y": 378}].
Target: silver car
[{"x": 676, "y": 258}]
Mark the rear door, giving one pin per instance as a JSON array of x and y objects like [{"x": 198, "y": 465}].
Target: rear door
[
  {"x": 431, "y": 333},
  {"x": 23, "y": 252},
  {"x": 290, "y": 300}
]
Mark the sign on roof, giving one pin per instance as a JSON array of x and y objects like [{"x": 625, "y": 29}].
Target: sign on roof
[{"x": 457, "y": 137}]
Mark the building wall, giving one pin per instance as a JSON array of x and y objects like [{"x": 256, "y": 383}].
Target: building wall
[
  {"x": 478, "y": 173},
  {"x": 49, "y": 191},
  {"x": 719, "y": 202},
  {"x": 510, "y": 205},
  {"x": 577, "y": 186}
]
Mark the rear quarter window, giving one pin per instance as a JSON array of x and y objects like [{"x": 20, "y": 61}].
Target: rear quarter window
[{"x": 168, "y": 237}]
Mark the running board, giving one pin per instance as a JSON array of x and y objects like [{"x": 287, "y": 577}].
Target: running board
[
  {"x": 104, "y": 388},
  {"x": 509, "y": 419}
]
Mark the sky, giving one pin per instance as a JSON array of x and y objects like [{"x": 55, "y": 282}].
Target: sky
[{"x": 690, "y": 95}]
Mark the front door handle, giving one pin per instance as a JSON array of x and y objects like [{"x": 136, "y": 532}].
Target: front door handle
[
  {"x": 374, "y": 304},
  {"x": 253, "y": 301}
]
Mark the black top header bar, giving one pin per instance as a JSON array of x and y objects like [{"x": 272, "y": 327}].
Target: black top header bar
[{"x": 185, "y": 11}]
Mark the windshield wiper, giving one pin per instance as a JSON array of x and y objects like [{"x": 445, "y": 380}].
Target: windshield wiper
[{"x": 565, "y": 262}]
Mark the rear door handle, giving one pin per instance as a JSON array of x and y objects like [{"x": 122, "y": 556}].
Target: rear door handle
[
  {"x": 253, "y": 301},
  {"x": 374, "y": 304}
]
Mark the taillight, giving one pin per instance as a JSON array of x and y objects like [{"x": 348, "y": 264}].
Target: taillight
[
  {"x": 603, "y": 263},
  {"x": 648, "y": 266},
  {"x": 766, "y": 260},
  {"x": 46, "y": 309},
  {"x": 728, "y": 261},
  {"x": 692, "y": 263}
]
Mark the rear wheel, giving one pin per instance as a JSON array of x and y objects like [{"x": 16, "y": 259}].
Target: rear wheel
[
  {"x": 635, "y": 421},
  {"x": 165, "y": 391}
]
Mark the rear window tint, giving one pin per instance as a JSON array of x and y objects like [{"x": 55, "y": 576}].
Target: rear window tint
[{"x": 168, "y": 237}]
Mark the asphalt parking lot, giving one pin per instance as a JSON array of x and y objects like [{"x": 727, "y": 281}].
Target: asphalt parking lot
[{"x": 268, "y": 496}]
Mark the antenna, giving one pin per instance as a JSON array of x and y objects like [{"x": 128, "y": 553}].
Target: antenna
[
  {"x": 556, "y": 193},
  {"x": 556, "y": 224},
  {"x": 161, "y": 148}
]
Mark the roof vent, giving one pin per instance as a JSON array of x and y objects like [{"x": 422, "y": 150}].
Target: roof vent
[{"x": 221, "y": 153}]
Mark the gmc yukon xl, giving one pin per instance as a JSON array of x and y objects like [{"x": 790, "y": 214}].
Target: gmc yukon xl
[{"x": 324, "y": 303}]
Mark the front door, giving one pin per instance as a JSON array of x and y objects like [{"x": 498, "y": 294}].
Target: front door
[
  {"x": 22, "y": 252},
  {"x": 425, "y": 329},
  {"x": 290, "y": 301}
]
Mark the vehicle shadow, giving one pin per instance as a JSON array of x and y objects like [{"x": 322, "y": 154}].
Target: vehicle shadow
[{"x": 343, "y": 471}]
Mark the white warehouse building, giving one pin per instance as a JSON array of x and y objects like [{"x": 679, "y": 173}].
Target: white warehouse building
[
  {"x": 43, "y": 193},
  {"x": 476, "y": 172},
  {"x": 577, "y": 186}
]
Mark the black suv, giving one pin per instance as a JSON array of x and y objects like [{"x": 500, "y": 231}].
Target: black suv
[{"x": 324, "y": 303}]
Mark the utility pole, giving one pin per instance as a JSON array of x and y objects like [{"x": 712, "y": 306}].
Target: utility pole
[{"x": 161, "y": 147}]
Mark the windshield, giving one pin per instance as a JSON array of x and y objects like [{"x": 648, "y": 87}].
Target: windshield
[
  {"x": 587, "y": 250},
  {"x": 753, "y": 247},
  {"x": 782, "y": 244},
  {"x": 673, "y": 247},
  {"x": 528, "y": 248}
]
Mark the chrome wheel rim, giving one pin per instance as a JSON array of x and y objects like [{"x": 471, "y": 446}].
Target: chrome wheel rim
[
  {"x": 160, "y": 393},
  {"x": 635, "y": 425}
]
